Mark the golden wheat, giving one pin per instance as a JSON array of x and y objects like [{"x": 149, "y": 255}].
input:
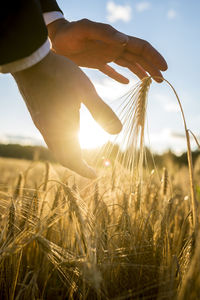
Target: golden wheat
[{"x": 123, "y": 236}]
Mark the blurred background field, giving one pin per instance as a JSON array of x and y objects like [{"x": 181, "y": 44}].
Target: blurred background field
[
  {"x": 172, "y": 27},
  {"x": 66, "y": 237}
]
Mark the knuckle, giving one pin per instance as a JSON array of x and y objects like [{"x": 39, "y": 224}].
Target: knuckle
[
  {"x": 84, "y": 21},
  {"x": 146, "y": 44},
  {"x": 109, "y": 28}
]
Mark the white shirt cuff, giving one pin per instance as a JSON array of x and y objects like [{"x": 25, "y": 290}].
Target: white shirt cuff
[
  {"x": 52, "y": 16},
  {"x": 28, "y": 61}
]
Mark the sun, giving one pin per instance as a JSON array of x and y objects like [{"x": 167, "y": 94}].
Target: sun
[{"x": 91, "y": 135}]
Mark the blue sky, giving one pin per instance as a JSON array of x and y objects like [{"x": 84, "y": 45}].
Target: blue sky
[{"x": 173, "y": 27}]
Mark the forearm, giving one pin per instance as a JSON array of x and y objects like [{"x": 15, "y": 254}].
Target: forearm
[{"x": 24, "y": 36}]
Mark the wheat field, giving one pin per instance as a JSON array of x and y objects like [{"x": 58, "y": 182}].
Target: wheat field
[
  {"x": 132, "y": 233},
  {"x": 63, "y": 237}
]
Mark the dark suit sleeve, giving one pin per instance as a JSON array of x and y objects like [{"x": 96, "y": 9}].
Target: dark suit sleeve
[
  {"x": 22, "y": 29},
  {"x": 49, "y": 5}
]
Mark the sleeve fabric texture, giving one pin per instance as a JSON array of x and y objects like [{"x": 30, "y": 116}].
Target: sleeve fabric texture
[{"x": 23, "y": 31}]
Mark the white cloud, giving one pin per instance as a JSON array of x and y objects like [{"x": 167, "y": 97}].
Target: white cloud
[
  {"x": 165, "y": 139},
  {"x": 171, "y": 14},
  {"x": 111, "y": 90},
  {"x": 118, "y": 12},
  {"x": 168, "y": 103},
  {"x": 142, "y": 6},
  {"x": 171, "y": 107}
]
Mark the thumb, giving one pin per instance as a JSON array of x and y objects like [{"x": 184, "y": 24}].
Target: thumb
[{"x": 101, "y": 112}]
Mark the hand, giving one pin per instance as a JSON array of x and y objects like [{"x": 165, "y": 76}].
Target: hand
[
  {"x": 53, "y": 90},
  {"x": 94, "y": 45}
]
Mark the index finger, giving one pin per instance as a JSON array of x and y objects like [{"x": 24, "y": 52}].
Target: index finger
[{"x": 147, "y": 51}]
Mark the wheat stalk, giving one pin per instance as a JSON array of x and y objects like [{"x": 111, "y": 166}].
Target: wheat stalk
[
  {"x": 132, "y": 113},
  {"x": 164, "y": 182},
  {"x": 11, "y": 221},
  {"x": 46, "y": 177},
  {"x": 19, "y": 187},
  {"x": 194, "y": 203}
]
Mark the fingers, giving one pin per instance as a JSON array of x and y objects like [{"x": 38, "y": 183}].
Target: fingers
[
  {"x": 133, "y": 67},
  {"x": 145, "y": 58},
  {"x": 146, "y": 65},
  {"x": 147, "y": 51},
  {"x": 60, "y": 132},
  {"x": 108, "y": 34},
  {"x": 109, "y": 71},
  {"x": 67, "y": 151},
  {"x": 101, "y": 112}
]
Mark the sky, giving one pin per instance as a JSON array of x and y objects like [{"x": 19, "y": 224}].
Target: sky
[{"x": 173, "y": 28}]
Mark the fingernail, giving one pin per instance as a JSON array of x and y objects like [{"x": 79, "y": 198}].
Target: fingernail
[{"x": 121, "y": 37}]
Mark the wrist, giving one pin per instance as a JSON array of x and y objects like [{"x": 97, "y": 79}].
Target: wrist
[
  {"x": 54, "y": 27},
  {"x": 35, "y": 67}
]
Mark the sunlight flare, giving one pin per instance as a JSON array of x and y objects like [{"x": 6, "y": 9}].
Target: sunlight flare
[{"x": 91, "y": 134}]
